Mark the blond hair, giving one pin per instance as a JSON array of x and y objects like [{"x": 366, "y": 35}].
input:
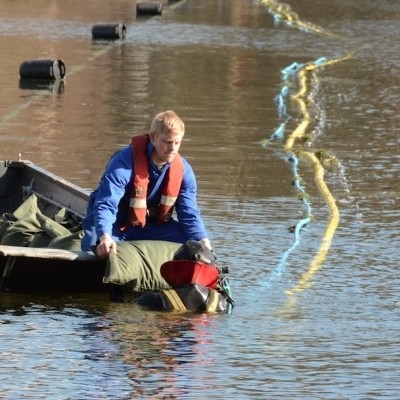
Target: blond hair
[{"x": 166, "y": 121}]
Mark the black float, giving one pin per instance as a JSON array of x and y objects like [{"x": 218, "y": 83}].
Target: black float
[
  {"x": 42, "y": 69},
  {"x": 149, "y": 9},
  {"x": 108, "y": 31}
]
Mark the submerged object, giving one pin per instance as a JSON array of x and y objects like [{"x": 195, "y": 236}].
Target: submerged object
[
  {"x": 196, "y": 283},
  {"x": 152, "y": 8},
  {"x": 42, "y": 69},
  {"x": 109, "y": 31},
  {"x": 187, "y": 298}
]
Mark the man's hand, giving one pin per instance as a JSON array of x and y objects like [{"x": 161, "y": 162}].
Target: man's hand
[{"x": 106, "y": 245}]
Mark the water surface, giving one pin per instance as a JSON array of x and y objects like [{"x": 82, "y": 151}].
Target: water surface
[{"x": 314, "y": 318}]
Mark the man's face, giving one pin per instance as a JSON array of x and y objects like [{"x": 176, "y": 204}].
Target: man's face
[{"x": 166, "y": 146}]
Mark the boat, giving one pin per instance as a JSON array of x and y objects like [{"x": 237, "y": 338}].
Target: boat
[
  {"x": 40, "y": 235},
  {"x": 26, "y": 268}
]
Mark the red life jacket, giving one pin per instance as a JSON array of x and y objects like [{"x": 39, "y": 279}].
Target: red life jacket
[{"x": 173, "y": 180}]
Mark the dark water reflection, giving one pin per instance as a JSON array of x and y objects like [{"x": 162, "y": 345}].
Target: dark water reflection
[{"x": 307, "y": 324}]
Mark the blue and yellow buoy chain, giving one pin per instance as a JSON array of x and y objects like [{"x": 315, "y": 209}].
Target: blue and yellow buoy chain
[
  {"x": 333, "y": 223},
  {"x": 283, "y": 14},
  {"x": 298, "y": 76},
  {"x": 296, "y": 82},
  {"x": 297, "y": 229},
  {"x": 302, "y": 72}
]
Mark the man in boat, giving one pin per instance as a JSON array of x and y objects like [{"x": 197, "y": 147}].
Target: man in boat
[{"x": 142, "y": 184}]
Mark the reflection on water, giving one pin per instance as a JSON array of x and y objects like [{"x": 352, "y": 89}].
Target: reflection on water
[{"x": 218, "y": 64}]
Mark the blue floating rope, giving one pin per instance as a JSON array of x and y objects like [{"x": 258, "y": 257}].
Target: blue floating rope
[
  {"x": 297, "y": 183},
  {"x": 280, "y": 100},
  {"x": 291, "y": 70},
  {"x": 277, "y": 20},
  {"x": 279, "y": 132},
  {"x": 300, "y": 226},
  {"x": 280, "y": 268},
  {"x": 320, "y": 61},
  {"x": 289, "y": 74}
]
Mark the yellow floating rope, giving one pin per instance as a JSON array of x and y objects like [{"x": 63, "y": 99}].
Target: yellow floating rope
[
  {"x": 320, "y": 256},
  {"x": 302, "y": 80},
  {"x": 283, "y": 13},
  {"x": 302, "y": 72},
  {"x": 298, "y": 132},
  {"x": 301, "y": 97}
]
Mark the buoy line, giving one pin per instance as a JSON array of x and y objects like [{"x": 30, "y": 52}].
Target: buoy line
[
  {"x": 297, "y": 79},
  {"x": 284, "y": 15},
  {"x": 317, "y": 160},
  {"x": 333, "y": 223},
  {"x": 75, "y": 69},
  {"x": 300, "y": 74}
]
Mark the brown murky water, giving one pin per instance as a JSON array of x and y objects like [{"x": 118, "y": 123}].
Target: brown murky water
[{"x": 317, "y": 309}]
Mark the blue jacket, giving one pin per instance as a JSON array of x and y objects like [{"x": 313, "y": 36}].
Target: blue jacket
[{"x": 108, "y": 204}]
